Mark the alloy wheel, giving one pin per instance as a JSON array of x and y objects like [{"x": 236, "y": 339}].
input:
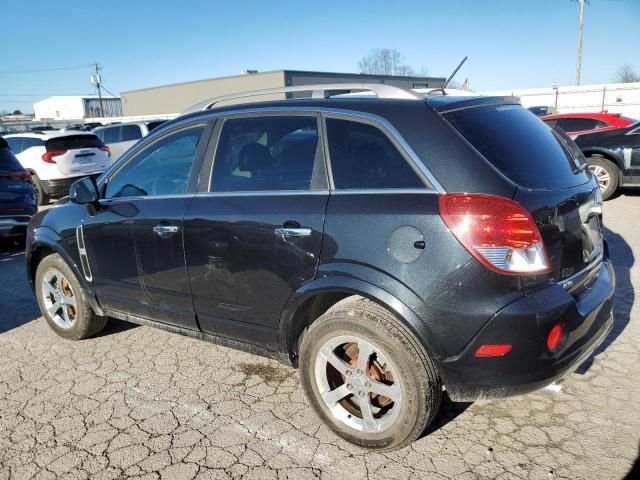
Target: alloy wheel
[
  {"x": 359, "y": 383},
  {"x": 59, "y": 299},
  {"x": 602, "y": 176}
]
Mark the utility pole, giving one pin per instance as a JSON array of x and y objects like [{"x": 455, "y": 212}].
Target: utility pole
[
  {"x": 97, "y": 82},
  {"x": 580, "y": 28}
]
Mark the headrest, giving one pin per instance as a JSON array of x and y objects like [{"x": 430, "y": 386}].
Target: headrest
[{"x": 254, "y": 157}]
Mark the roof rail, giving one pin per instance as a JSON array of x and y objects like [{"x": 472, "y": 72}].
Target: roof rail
[{"x": 317, "y": 91}]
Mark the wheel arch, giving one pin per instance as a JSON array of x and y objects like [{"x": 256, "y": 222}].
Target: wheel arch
[
  {"x": 606, "y": 154},
  {"x": 312, "y": 300},
  {"x": 46, "y": 242}
]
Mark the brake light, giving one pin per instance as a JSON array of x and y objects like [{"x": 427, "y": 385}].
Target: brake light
[
  {"x": 105, "y": 148},
  {"x": 493, "y": 350},
  {"x": 497, "y": 231},
  {"x": 48, "y": 156},
  {"x": 22, "y": 176}
]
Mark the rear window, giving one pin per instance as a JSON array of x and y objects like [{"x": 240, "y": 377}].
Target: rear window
[
  {"x": 520, "y": 146},
  {"x": 73, "y": 142},
  {"x": 8, "y": 162},
  {"x": 131, "y": 132}
]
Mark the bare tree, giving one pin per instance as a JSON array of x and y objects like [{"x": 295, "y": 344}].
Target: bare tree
[
  {"x": 385, "y": 61},
  {"x": 626, "y": 74}
]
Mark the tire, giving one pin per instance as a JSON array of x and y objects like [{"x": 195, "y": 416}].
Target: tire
[
  {"x": 79, "y": 320},
  {"x": 598, "y": 164},
  {"x": 399, "y": 361},
  {"x": 41, "y": 197}
]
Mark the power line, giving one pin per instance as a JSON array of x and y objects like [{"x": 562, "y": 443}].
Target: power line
[{"x": 38, "y": 70}]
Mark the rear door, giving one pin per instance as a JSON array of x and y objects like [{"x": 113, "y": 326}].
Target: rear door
[
  {"x": 552, "y": 179},
  {"x": 76, "y": 155},
  {"x": 253, "y": 233}
]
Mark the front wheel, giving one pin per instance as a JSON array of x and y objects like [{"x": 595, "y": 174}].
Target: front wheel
[
  {"x": 63, "y": 302},
  {"x": 368, "y": 377},
  {"x": 606, "y": 173}
]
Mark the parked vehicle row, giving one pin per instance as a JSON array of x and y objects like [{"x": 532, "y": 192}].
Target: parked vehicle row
[
  {"x": 120, "y": 137},
  {"x": 388, "y": 247},
  {"x": 17, "y": 195}
]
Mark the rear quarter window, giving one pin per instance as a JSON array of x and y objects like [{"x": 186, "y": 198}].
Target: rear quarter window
[
  {"x": 73, "y": 142},
  {"x": 520, "y": 146}
]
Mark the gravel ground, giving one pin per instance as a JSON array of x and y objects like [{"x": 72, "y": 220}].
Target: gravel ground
[{"x": 139, "y": 402}]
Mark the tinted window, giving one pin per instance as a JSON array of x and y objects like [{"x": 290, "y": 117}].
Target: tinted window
[
  {"x": 152, "y": 125},
  {"x": 32, "y": 142},
  {"x": 111, "y": 135},
  {"x": 15, "y": 144},
  {"x": 362, "y": 156},
  {"x": 131, "y": 132},
  {"x": 552, "y": 123},
  {"x": 161, "y": 169},
  {"x": 578, "y": 124},
  {"x": 8, "y": 162},
  {"x": 267, "y": 153},
  {"x": 73, "y": 142},
  {"x": 520, "y": 146}
]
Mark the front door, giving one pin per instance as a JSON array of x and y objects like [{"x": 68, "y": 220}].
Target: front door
[
  {"x": 134, "y": 241},
  {"x": 255, "y": 236}
]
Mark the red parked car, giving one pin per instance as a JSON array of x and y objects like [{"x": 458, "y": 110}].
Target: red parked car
[{"x": 575, "y": 124}]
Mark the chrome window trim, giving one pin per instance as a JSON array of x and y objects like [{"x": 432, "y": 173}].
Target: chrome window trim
[
  {"x": 376, "y": 120},
  {"x": 263, "y": 193},
  {"x": 383, "y": 191}
]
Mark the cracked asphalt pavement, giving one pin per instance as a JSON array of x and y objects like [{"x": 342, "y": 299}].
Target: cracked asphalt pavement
[{"x": 142, "y": 403}]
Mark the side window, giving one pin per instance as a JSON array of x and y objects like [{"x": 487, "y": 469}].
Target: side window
[
  {"x": 552, "y": 123},
  {"x": 577, "y": 124},
  {"x": 111, "y": 135},
  {"x": 266, "y": 154},
  {"x": 131, "y": 132},
  {"x": 161, "y": 169},
  {"x": 362, "y": 156},
  {"x": 32, "y": 142},
  {"x": 15, "y": 144}
]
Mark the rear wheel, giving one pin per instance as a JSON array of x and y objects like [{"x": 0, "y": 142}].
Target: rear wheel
[
  {"x": 41, "y": 197},
  {"x": 63, "y": 302},
  {"x": 367, "y": 376},
  {"x": 606, "y": 173}
]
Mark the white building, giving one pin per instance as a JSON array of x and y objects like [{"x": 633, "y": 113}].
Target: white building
[
  {"x": 621, "y": 98},
  {"x": 76, "y": 107}
]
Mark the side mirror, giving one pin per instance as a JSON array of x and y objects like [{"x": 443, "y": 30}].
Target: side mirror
[{"x": 84, "y": 191}]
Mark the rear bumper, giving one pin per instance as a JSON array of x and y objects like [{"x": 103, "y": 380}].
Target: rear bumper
[
  {"x": 14, "y": 225},
  {"x": 586, "y": 319}
]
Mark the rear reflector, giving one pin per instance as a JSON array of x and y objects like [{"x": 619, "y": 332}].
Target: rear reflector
[
  {"x": 497, "y": 231},
  {"x": 555, "y": 338},
  {"x": 48, "y": 156},
  {"x": 492, "y": 350},
  {"x": 21, "y": 176}
]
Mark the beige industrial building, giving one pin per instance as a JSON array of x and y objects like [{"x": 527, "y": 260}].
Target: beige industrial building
[{"x": 178, "y": 97}]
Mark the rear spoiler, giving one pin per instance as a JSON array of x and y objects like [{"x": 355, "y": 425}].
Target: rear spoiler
[{"x": 444, "y": 104}]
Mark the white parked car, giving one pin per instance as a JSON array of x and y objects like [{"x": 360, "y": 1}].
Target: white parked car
[
  {"x": 56, "y": 159},
  {"x": 120, "y": 137}
]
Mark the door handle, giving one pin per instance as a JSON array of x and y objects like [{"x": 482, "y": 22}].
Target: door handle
[
  {"x": 164, "y": 231},
  {"x": 288, "y": 232}
]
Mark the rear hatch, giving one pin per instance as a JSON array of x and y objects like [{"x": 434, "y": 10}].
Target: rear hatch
[
  {"x": 77, "y": 154},
  {"x": 16, "y": 189},
  {"x": 550, "y": 173}
]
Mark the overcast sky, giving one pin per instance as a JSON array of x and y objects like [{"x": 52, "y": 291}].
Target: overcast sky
[{"x": 510, "y": 43}]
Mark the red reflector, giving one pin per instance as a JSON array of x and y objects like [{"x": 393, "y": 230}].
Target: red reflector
[
  {"x": 555, "y": 337},
  {"x": 493, "y": 350},
  {"x": 48, "y": 156}
]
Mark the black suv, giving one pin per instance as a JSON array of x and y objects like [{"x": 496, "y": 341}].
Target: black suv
[
  {"x": 390, "y": 248},
  {"x": 614, "y": 157}
]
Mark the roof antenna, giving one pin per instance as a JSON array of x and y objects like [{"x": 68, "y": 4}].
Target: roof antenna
[{"x": 448, "y": 80}]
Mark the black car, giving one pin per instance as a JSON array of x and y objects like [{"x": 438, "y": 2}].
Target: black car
[
  {"x": 389, "y": 247},
  {"x": 614, "y": 157},
  {"x": 17, "y": 195}
]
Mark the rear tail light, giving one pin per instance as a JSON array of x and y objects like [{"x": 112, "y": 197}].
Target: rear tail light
[
  {"x": 497, "y": 231},
  {"x": 22, "y": 176},
  {"x": 104, "y": 148},
  {"x": 48, "y": 156}
]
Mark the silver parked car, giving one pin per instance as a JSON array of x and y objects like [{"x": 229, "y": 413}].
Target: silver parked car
[{"x": 121, "y": 136}]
